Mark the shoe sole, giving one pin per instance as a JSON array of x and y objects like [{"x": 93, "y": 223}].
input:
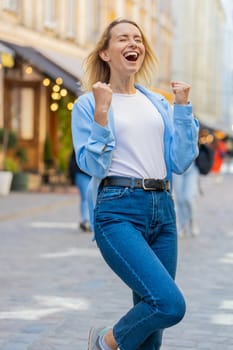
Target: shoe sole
[
  {"x": 94, "y": 334},
  {"x": 90, "y": 343}
]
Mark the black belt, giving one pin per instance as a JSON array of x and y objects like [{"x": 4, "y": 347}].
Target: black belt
[{"x": 146, "y": 184}]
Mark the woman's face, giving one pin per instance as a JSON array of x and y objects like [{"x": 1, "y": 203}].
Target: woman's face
[{"x": 126, "y": 51}]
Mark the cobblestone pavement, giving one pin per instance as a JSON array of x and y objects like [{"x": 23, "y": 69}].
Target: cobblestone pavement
[{"x": 54, "y": 284}]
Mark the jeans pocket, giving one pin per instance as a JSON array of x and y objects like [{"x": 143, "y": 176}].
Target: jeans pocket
[{"x": 111, "y": 193}]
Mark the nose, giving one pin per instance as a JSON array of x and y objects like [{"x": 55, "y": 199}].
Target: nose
[{"x": 133, "y": 42}]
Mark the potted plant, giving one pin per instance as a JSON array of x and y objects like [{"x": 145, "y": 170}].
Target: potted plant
[
  {"x": 20, "y": 177},
  {"x": 8, "y": 140},
  {"x": 12, "y": 158}
]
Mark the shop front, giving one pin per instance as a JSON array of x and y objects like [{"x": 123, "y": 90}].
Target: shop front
[{"x": 36, "y": 100}]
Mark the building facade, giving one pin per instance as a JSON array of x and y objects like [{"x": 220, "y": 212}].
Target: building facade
[
  {"x": 199, "y": 57},
  {"x": 228, "y": 63}
]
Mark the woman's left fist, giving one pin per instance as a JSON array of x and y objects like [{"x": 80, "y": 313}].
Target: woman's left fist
[{"x": 181, "y": 91}]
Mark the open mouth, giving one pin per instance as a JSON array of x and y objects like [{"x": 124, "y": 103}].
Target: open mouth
[{"x": 131, "y": 56}]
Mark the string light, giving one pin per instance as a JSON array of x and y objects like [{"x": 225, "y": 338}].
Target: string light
[
  {"x": 55, "y": 96},
  {"x": 28, "y": 70},
  {"x": 59, "y": 80},
  {"x": 57, "y": 93},
  {"x": 46, "y": 82},
  {"x": 56, "y": 88},
  {"x": 54, "y": 107},
  {"x": 70, "y": 106},
  {"x": 63, "y": 92}
]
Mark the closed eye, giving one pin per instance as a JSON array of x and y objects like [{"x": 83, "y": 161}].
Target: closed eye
[{"x": 137, "y": 39}]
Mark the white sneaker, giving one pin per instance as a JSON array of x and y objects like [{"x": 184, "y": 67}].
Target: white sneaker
[
  {"x": 93, "y": 339},
  {"x": 195, "y": 231}
]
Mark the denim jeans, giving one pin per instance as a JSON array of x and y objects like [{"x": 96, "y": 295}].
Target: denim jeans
[
  {"x": 81, "y": 181},
  {"x": 136, "y": 233}
]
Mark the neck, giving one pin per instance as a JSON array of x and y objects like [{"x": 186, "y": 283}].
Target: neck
[
  {"x": 124, "y": 91},
  {"x": 121, "y": 86}
]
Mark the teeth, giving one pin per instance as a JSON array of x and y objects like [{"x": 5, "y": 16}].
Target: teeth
[{"x": 131, "y": 54}]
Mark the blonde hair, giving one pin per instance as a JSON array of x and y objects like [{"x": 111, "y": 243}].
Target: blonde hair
[{"x": 95, "y": 69}]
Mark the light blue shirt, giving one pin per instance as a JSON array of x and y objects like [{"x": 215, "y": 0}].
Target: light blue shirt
[{"x": 94, "y": 144}]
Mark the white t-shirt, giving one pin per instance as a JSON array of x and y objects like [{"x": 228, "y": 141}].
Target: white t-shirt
[{"x": 139, "y": 130}]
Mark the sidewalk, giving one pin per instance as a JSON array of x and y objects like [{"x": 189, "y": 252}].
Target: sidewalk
[{"x": 55, "y": 284}]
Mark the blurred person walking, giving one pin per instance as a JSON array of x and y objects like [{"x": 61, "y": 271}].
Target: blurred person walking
[
  {"x": 81, "y": 180},
  {"x": 220, "y": 150},
  {"x": 187, "y": 186},
  {"x": 130, "y": 141},
  {"x": 186, "y": 189}
]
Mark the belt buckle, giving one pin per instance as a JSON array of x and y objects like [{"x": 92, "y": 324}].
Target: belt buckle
[{"x": 147, "y": 188}]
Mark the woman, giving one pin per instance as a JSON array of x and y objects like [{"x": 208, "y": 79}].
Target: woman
[{"x": 129, "y": 140}]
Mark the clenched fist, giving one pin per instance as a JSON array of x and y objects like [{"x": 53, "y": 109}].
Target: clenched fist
[
  {"x": 181, "y": 91},
  {"x": 103, "y": 96}
]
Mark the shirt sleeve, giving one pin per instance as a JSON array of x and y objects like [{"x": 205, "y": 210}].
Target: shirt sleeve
[
  {"x": 184, "y": 142},
  {"x": 92, "y": 142}
]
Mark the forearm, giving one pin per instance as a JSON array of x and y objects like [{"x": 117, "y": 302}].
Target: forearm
[
  {"x": 184, "y": 144},
  {"x": 93, "y": 143}
]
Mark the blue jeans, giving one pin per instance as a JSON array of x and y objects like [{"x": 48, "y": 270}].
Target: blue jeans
[
  {"x": 136, "y": 233},
  {"x": 81, "y": 181}
]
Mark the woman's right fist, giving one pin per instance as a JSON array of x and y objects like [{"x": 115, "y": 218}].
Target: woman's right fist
[{"x": 103, "y": 96}]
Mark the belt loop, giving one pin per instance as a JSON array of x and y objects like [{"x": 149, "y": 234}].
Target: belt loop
[{"x": 132, "y": 182}]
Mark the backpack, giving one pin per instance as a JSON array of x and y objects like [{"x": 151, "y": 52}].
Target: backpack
[
  {"x": 73, "y": 168},
  {"x": 205, "y": 159}
]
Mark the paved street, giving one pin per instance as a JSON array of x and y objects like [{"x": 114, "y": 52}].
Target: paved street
[{"x": 54, "y": 284}]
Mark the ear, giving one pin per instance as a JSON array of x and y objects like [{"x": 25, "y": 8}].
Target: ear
[{"x": 104, "y": 55}]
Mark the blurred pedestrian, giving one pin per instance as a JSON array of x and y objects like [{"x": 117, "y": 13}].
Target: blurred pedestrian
[
  {"x": 130, "y": 141},
  {"x": 220, "y": 150},
  {"x": 187, "y": 186},
  {"x": 81, "y": 180},
  {"x": 186, "y": 189}
]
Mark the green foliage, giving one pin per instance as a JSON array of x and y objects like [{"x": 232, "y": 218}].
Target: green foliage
[
  {"x": 21, "y": 154},
  {"x": 11, "y": 165},
  {"x": 9, "y": 137},
  {"x": 9, "y": 140},
  {"x": 65, "y": 138}
]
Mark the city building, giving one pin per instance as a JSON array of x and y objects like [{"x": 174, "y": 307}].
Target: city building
[{"x": 202, "y": 55}]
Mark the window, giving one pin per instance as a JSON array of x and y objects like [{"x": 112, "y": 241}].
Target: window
[
  {"x": 70, "y": 19},
  {"x": 50, "y": 13},
  {"x": 22, "y": 111},
  {"x": 93, "y": 22},
  {"x": 11, "y": 5}
]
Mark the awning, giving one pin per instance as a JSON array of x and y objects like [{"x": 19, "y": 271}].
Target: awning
[
  {"x": 69, "y": 63},
  {"x": 46, "y": 66}
]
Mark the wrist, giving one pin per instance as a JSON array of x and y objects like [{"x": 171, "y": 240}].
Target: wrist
[
  {"x": 182, "y": 103},
  {"x": 101, "y": 118}
]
